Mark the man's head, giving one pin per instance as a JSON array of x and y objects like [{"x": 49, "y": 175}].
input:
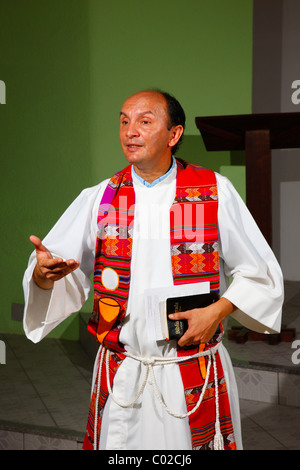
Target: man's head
[{"x": 151, "y": 126}]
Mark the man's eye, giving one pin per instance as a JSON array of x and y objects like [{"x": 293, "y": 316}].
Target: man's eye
[
  {"x": 124, "y": 122},
  {"x": 145, "y": 121}
]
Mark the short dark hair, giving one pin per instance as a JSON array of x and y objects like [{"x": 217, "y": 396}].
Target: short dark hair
[{"x": 176, "y": 115}]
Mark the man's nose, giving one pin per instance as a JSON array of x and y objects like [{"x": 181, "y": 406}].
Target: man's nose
[{"x": 132, "y": 130}]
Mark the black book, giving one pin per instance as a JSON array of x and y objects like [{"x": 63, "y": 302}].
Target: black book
[{"x": 174, "y": 329}]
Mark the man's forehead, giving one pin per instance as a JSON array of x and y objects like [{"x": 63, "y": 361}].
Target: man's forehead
[
  {"x": 145, "y": 102},
  {"x": 140, "y": 113}
]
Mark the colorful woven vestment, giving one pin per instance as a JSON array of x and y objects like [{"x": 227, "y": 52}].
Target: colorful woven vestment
[{"x": 194, "y": 257}]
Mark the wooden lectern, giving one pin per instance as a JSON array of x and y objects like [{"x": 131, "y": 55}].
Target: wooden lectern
[{"x": 258, "y": 134}]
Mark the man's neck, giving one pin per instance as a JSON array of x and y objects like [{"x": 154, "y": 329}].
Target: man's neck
[{"x": 150, "y": 174}]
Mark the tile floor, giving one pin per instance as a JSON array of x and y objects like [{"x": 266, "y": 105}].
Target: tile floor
[
  {"x": 41, "y": 408},
  {"x": 39, "y": 403},
  {"x": 269, "y": 384}
]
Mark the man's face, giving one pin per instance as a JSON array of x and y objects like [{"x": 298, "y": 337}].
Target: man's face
[{"x": 144, "y": 134}]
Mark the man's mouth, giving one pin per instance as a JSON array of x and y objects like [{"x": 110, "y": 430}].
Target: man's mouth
[{"x": 133, "y": 146}]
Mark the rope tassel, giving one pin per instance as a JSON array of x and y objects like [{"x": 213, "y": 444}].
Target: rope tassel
[{"x": 218, "y": 439}]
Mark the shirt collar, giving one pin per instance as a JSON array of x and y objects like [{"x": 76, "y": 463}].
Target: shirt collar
[{"x": 158, "y": 180}]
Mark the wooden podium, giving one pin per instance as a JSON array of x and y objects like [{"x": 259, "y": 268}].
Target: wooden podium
[{"x": 257, "y": 134}]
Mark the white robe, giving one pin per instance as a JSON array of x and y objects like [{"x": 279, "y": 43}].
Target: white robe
[{"x": 256, "y": 289}]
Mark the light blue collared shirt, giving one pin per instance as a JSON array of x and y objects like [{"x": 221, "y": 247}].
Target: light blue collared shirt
[{"x": 158, "y": 180}]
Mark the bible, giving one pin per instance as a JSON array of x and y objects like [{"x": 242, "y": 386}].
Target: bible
[{"x": 174, "y": 329}]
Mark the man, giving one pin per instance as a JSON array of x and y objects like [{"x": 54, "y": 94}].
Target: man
[{"x": 159, "y": 223}]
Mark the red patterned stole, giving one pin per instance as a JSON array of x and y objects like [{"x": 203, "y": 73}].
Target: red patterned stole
[
  {"x": 194, "y": 255},
  {"x": 113, "y": 251}
]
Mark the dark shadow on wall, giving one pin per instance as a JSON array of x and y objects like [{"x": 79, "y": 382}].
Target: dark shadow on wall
[{"x": 193, "y": 150}]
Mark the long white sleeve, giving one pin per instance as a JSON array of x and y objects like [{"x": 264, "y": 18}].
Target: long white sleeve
[
  {"x": 257, "y": 285},
  {"x": 73, "y": 236}
]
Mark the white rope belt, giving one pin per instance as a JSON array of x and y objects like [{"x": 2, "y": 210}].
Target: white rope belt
[{"x": 149, "y": 363}]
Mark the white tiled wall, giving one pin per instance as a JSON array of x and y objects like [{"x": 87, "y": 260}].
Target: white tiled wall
[
  {"x": 11, "y": 440},
  {"x": 268, "y": 387}
]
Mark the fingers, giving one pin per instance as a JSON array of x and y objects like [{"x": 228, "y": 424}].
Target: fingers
[
  {"x": 198, "y": 330},
  {"x": 190, "y": 337},
  {"x": 179, "y": 315},
  {"x": 49, "y": 269},
  {"x": 37, "y": 243},
  {"x": 49, "y": 263},
  {"x": 57, "y": 268},
  {"x": 187, "y": 339}
]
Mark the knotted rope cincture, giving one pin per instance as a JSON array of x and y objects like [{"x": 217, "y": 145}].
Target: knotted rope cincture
[{"x": 149, "y": 363}]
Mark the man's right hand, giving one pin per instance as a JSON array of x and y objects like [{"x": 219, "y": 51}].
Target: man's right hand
[{"x": 49, "y": 269}]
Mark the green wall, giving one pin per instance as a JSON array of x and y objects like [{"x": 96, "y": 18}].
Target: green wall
[
  {"x": 198, "y": 50},
  {"x": 45, "y": 129},
  {"x": 68, "y": 65}
]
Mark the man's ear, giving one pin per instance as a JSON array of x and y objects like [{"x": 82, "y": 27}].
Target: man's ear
[{"x": 175, "y": 134}]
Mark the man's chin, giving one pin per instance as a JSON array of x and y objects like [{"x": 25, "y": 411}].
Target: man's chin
[{"x": 133, "y": 157}]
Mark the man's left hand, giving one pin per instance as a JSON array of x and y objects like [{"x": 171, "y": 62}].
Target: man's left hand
[{"x": 203, "y": 322}]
